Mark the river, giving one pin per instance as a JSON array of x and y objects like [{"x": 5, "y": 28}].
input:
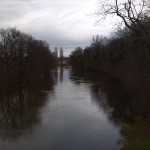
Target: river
[{"x": 64, "y": 111}]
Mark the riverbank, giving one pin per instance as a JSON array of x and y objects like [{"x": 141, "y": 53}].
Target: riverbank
[
  {"x": 128, "y": 102},
  {"x": 137, "y": 136},
  {"x": 23, "y": 85},
  {"x": 22, "y": 59}
]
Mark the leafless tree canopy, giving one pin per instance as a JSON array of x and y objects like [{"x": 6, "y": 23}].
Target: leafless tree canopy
[
  {"x": 132, "y": 12},
  {"x": 22, "y": 58}
]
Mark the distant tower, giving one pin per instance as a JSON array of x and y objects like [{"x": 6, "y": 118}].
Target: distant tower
[
  {"x": 61, "y": 56},
  {"x": 56, "y": 52}
]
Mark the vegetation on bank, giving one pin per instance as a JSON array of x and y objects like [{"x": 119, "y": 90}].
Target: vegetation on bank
[
  {"x": 125, "y": 55},
  {"x": 22, "y": 59},
  {"x": 137, "y": 136}
]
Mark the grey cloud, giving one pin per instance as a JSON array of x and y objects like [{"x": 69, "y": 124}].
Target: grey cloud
[
  {"x": 10, "y": 11},
  {"x": 62, "y": 23}
]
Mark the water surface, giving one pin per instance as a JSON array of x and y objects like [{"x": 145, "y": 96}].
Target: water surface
[{"x": 63, "y": 111}]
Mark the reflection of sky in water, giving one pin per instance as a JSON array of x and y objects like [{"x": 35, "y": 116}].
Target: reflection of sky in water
[{"x": 70, "y": 120}]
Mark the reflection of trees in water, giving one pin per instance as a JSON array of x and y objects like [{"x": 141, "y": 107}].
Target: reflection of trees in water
[
  {"x": 120, "y": 101},
  {"x": 61, "y": 74},
  {"x": 100, "y": 98},
  {"x": 55, "y": 76},
  {"x": 127, "y": 102},
  {"x": 19, "y": 111},
  {"x": 58, "y": 75},
  {"x": 114, "y": 100}
]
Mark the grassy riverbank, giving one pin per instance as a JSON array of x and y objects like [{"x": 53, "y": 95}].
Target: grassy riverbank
[{"x": 137, "y": 136}]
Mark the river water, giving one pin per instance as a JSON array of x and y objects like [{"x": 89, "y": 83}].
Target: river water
[{"x": 64, "y": 111}]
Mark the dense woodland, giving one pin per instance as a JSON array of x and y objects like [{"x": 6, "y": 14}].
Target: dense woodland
[
  {"x": 126, "y": 52},
  {"x": 125, "y": 55},
  {"x": 22, "y": 59}
]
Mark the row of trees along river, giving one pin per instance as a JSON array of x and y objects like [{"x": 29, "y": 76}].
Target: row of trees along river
[
  {"x": 22, "y": 59},
  {"x": 124, "y": 55}
]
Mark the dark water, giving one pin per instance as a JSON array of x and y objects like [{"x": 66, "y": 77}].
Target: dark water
[{"x": 63, "y": 111}]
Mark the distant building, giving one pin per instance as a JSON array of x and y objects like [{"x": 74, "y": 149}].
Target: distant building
[{"x": 56, "y": 52}]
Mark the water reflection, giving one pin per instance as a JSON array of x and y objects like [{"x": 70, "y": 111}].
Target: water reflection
[
  {"x": 55, "y": 76},
  {"x": 59, "y": 113},
  {"x": 61, "y": 74},
  {"x": 122, "y": 102},
  {"x": 19, "y": 110}
]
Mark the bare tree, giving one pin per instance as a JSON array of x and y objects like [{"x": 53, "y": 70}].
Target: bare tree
[
  {"x": 22, "y": 58},
  {"x": 132, "y": 12}
]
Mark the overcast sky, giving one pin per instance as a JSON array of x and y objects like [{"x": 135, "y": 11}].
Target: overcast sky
[{"x": 62, "y": 23}]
